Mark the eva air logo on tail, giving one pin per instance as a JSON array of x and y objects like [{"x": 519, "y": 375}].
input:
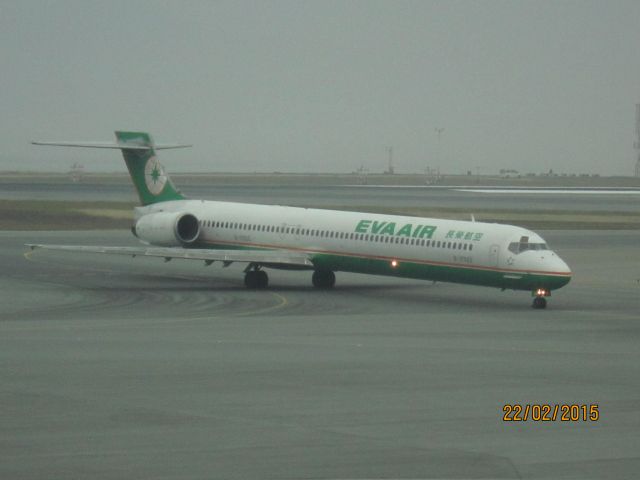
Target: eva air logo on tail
[{"x": 154, "y": 176}]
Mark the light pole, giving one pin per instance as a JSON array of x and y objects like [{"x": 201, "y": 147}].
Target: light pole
[{"x": 439, "y": 131}]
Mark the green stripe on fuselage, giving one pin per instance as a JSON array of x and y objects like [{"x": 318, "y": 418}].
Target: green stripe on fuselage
[
  {"x": 424, "y": 271},
  {"x": 440, "y": 273}
]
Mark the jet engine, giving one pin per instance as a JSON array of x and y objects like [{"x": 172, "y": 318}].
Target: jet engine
[{"x": 168, "y": 229}]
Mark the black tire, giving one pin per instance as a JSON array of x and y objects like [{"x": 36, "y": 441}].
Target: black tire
[
  {"x": 323, "y": 279},
  {"x": 255, "y": 279},
  {"x": 263, "y": 279},
  {"x": 539, "y": 303},
  {"x": 251, "y": 279}
]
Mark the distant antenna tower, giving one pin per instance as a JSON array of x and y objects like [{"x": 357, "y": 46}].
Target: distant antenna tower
[
  {"x": 439, "y": 131},
  {"x": 76, "y": 172},
  {"x": 637, "y": 142},
  {"x": 362, "y": 175},
  {"x": 390, "y": 153}
]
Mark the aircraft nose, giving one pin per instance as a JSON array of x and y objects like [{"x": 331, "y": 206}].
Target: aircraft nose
[
  {"x": 560, "y": 265},
  {"x": 561, "y": 270}
]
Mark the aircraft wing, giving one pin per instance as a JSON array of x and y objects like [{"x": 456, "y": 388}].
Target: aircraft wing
[{"x": 263, "y": 257}]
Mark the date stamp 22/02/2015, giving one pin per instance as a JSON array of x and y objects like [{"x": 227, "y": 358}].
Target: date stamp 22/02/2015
[{"x": 546, "y": 412}]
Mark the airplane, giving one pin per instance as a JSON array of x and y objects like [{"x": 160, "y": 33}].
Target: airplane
[{"x": 322, "y": 241}]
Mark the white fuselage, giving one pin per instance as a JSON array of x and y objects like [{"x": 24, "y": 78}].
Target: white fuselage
[{"x": 347, "y": 239}]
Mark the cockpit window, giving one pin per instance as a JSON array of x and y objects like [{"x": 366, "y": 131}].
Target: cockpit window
[{"x": 523, "y": 245}]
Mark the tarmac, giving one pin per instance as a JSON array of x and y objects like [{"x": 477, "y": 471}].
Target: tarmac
[{"x": 118, "y": 368}]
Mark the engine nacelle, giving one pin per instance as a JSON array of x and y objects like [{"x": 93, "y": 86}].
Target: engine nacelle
[{"x": 168, "y": 229}]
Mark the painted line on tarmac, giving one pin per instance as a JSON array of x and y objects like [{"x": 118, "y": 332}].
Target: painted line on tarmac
[{"x": 283, "y": 303}]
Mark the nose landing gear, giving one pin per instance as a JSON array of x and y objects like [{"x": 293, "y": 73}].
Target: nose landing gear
[{"x": 539, "y": 301}]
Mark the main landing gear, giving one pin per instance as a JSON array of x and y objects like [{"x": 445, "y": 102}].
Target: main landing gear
[
  {"x": 539, "y": 301},
  {"x": 323, "y": 279},
  {"x": 254, "y": 278}
]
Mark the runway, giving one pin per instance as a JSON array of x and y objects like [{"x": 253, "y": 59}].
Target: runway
[
  {"x": 353, "y": 196},
  {"x": 135, "y": 368}
]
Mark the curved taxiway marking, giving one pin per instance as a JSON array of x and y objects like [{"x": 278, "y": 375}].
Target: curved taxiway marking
[
  {"x": 283, "y": 303},
  {"x": 282, "y": 300}
]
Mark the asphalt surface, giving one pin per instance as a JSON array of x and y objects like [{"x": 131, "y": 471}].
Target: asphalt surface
[{"x": 133, "y": 368}]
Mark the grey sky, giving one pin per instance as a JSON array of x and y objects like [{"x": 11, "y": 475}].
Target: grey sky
[{"x": 325, "y": 85}]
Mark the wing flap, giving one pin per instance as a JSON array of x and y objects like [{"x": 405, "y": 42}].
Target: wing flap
[{"x": 275, "y": 257}]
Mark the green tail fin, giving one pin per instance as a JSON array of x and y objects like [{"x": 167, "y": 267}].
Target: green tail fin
[{"x": 147, "y": 173}]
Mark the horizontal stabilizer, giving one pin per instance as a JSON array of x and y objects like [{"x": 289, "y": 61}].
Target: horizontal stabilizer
[{"x": 119, "y": 146}]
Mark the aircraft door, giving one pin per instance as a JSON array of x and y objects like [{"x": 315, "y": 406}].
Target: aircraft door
[{"x": 494, "y": 255}]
